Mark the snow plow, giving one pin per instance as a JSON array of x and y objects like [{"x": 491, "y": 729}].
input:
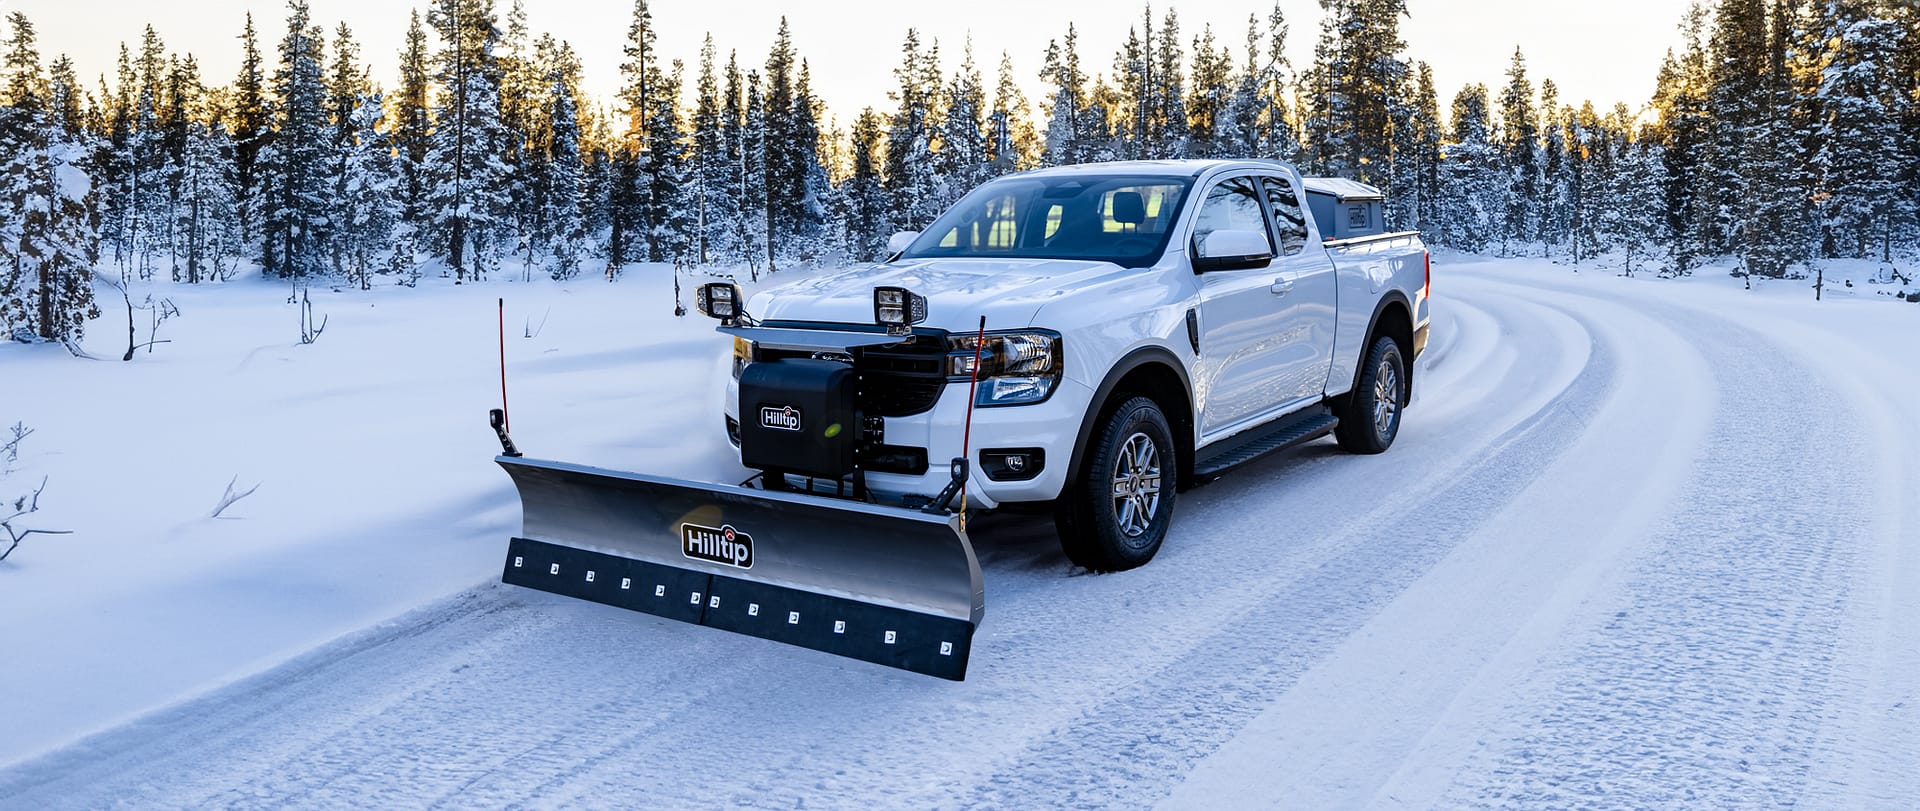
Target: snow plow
[{"x": 886, "y": 585}]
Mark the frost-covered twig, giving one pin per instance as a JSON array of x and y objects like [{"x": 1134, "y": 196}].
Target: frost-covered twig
[
  {"x": 230, "y": 497},
  {"x": 11, "y": 448},
  {"x": 22, "y": 506}
]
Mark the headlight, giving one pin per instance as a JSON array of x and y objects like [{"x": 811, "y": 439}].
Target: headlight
[
  {"x": 742, "y": 355},
  {"x": 1015, "y": 367}
]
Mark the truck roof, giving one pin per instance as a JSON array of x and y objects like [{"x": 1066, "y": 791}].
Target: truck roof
[{"x": 1180, "y": 168}]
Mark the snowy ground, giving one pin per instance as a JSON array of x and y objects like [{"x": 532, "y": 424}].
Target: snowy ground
[{"x": 1641, "y": 543}]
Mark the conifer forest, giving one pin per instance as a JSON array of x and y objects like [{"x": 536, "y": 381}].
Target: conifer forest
[{"x": 1782, "y": 133}]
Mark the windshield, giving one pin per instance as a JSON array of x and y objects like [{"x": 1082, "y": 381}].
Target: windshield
[{"x": 1115, "y": 218}]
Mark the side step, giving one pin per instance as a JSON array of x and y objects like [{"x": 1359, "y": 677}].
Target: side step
[{"x": 1286, "y": 432}]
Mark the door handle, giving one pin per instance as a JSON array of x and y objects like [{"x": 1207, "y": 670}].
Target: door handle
[{"x": 1281, "y": 287}]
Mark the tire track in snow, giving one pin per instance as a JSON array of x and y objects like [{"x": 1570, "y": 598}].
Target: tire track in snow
[
  {"x": 1149, "y": 734},
  {"x": 1707, "y": 681}
]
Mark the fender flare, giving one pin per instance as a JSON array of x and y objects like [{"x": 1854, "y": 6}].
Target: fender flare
[
  {"x": 1373, "y": 333},
  {"x": 1129, "y": 362}
]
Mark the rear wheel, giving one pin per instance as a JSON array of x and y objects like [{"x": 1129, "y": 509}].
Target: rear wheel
[
  {"x": 1116, "y": 513},
  {"x": 1370, "y": 419}
]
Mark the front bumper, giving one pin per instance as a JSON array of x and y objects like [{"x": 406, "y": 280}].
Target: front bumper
[{"x": 1052, "y": 425}]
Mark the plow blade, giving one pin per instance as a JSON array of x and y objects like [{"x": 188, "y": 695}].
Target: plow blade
[{"x": 885, "y": 585}]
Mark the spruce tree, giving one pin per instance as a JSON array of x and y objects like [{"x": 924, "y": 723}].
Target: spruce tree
[
  {"x": 467, "y": 178},
  {"x": 50, "y": 240},
  {"x": 412, "y": 122},
  {"x": 1520, "y": 140},
  {"x": 206, "y": 229},
  {"x": 1065, "y": 142},
  {"x": 1014, "y": 145},
  {"x": 1861, "y": 139},
  {"x": 250, "y": 119},
  {"x": 297, "y": 199}
]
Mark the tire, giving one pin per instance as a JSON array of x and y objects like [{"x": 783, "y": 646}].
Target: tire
[
  {"x": 1133, "y": 449},
  {"x": 1370, "y": 418}
]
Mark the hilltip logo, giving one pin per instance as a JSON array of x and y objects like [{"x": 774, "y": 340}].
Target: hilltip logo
[
  {"x": 781, "y": 418},
  {"x": 723, "y": 545}
]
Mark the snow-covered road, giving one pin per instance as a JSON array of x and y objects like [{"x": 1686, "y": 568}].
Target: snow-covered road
[{"x": 1639, "y": 544}]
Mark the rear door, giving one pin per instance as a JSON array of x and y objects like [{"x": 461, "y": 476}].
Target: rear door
[
  {"x": 1241, "y": 316},
  {"x": 1305, "y": 282}
]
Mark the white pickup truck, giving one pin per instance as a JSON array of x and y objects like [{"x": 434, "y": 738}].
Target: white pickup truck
[{"x": 1147, "y": 325}]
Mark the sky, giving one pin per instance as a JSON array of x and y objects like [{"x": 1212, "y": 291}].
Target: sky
[{"x": 1606, "y": 52}]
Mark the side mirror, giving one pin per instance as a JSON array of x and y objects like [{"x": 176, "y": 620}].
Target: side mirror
[
  {"x": 1231, "y": 250},
  {"x": 899, "y": 242}
]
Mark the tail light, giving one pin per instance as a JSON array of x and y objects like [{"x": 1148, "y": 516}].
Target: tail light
[{"x": 1426, "y": 287}]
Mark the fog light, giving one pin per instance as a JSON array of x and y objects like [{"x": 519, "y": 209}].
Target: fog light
[{"x": 1013, "y": 464}]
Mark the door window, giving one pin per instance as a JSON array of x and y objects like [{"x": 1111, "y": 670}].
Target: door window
[
  {"x": 1233, "y": 205},
  {"x": 1284, "y": 202}
]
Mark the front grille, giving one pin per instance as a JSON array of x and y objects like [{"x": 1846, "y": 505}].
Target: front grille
[
  {"x": 903, "y": 380},
  {"x": 893, "y": 381}
]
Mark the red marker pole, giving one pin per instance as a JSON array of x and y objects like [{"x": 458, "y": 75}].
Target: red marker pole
[{"x": 504, "y": 422}]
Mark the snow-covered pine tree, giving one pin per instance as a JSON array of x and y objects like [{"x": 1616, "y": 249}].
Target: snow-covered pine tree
[
  {"x": 786, "y": 167},
  {"x": 206, "y": 228},
  {"x": 65, "y": 100},
  {"x": 1167, "y": 128},
  {"x": 1209, "y": 97},
  {"x": 1015, "y": 145},
  {"x": 810, "y": 220},
  {"x": 371, "y": 184},
  {"x": 412, "y": 123},
  {"x": 1520, "y": 140},
  {"x": 49, "y": 233},
  {"x": 1064, "y": 141},
  {"x": 296, "y": 193},
  {"x": 1768, "y": 232},
  {"x": 1683, "y": 132},
  {"x": 1590, "y": 157},
  {"x": 1635, "y": 207},
  {"x": 1281, "y": 129},
  {"x": 961, "y": 163},
  {"x": 713, "y": 197},
  {"x": 248, "y": 120},
  {"x": 753, "y": 180},
  {"x": 1552, "y": 201},
  {"x": 910, "y": 179},
  {"x": 467, "y": 191},
  {"x": 1736, "y": 70},
  {"x": 1421, "y": 152},
  {"x": 733, "y": 122},
  {"x": 1860, "y": 145},
  {"x": 668, "y": 173},
  {"x": 24, "y": 86},
  {"x": 866, "y": 220},
  {"x": 1472, "y": 191},
  {"x": 566, "y": 173}
]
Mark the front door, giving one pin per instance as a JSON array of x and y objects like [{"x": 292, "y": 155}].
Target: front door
[{"x": 1242, "y": 317}]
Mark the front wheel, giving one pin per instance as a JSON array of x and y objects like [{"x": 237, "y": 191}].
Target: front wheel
[
  {"x": 1116, "y": 513},
  {"x": 1370, "y": 419}
]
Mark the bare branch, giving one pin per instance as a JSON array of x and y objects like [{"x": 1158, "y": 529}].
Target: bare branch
[
  {"x": 230, "y": 497},
  {"x": 22, "y": 506}
]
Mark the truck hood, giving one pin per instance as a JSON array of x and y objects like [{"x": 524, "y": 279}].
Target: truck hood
[{"x": 1007, "y": 291}]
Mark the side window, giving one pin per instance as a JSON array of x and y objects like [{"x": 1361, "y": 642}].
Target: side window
[
  {"x": 1232, "y": 205},
  {"x": 1285, "y": 204}
]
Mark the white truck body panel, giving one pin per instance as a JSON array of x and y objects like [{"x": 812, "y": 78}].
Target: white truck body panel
[{"x": 1272, "y": 340}]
